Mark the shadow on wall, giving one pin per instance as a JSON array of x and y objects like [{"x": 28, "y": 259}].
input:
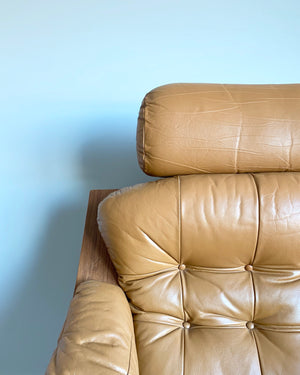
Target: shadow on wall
[
  {"x": 111, "y": 165},
  {"x": 32, "y": 325}
]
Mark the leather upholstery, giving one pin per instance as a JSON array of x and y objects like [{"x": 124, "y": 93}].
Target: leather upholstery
[
  {"x": 213, "y": 128},
  {"x": 211, "y": 267},
  {"x": 210, "y": 259},
  {"x": 98, "y": 335}
]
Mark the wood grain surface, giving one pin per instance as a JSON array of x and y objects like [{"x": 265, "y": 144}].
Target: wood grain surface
[{"x": 94, "y": 262}]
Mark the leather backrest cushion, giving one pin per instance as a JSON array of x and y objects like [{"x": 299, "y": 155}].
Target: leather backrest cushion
[
  {"x": 215, "y": 128},
  {"x": 211, "y": 267}
]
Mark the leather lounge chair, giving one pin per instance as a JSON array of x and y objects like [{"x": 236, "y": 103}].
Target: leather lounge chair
[{"x": 197, "y": 272}]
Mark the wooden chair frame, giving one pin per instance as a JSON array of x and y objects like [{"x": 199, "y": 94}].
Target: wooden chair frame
[{"x": 94, "y": 262}]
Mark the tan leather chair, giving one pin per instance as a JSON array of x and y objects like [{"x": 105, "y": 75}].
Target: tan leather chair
[{"x": 209, "y": 259}]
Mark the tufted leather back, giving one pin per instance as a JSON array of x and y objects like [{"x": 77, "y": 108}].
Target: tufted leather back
[{"x": 211, "y": 267}]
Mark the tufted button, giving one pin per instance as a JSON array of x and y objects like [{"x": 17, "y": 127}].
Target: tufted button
[
  {"x": 249, "y": 267},
  {"x": 181, "y": 267},
  {"x": 250, "y": 325},
  {"x": 186, "y": 325}
]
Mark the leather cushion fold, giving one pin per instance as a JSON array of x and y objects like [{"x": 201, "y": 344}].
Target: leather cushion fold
[
  {"x": 98, "y": 335},
  {"x": 211, "y": 267},
  {"x": 215, "y": 128}
]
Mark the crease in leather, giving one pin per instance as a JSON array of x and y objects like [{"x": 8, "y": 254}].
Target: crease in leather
[
  {"x": 189, "y": 167},
  {"x": 238, "y": 141},
  {"x": 161, "y": 335},
  {"x": 125, "y": 278},
  {"x": 157, "y": 245},
  {"x": 290, "y": 133}
]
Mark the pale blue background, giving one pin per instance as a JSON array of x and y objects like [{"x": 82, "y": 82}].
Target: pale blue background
[{"x": 73, "y": 74}]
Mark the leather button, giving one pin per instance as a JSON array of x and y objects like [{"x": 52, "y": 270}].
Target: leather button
[
  {"x": 186, "y": 325},
  {"x": 249, "y": 267},
  {"x": 181, "y": 267},
  {"x": 250, "y": 325}
]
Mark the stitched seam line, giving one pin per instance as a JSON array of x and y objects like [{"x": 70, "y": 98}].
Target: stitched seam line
[
  {"x": 259, "y": 360},
  {"x": 254, "y": 296},
  {"x": 180, "y": 243},
  {"x": 179, "y": 218},
  {"x": 258, "y": 216},
  {"x": 290, "y": 148},
  {"x": 252, "y": 261},
  {"x": 183, "y": 351},
  {"x": 180, "y": 273},
  {"x": 256, "y": 246}
]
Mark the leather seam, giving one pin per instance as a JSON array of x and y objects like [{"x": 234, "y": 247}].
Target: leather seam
[
  {"x": 258, "y": 217},
  {"x": 252, "y": 262},
  {"x": 254, "y": 296},
  {"x": 183, "y": 350},
  {"x": 258, "y": 356},
  {"x": 180, "y": 273},
  {"x": 180, "y": 242},
  {"x": 256, "y": 245},
  {"x": 179, "y": 218}
]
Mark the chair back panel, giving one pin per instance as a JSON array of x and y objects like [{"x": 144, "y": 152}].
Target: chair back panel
[{"x": 211, "y": 267}]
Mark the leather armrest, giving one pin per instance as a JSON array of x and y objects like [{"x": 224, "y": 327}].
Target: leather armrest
[{"x": 98, "y": 335}]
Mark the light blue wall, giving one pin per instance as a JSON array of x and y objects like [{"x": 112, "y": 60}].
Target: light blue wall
[{"x": 72, "y": 76}]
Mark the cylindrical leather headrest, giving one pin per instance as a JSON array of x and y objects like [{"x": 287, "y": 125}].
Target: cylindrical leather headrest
[{"x": 215, "y": 128}]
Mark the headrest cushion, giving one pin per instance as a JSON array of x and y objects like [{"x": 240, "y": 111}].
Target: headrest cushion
[{"x": 216, "y": 128}]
